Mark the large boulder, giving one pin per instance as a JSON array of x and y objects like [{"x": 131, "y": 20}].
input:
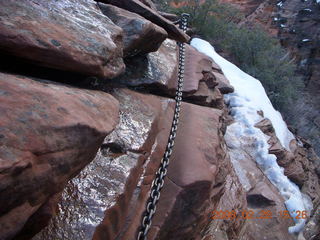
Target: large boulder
[
  {"x": 157, "y": 70},
  {"x": 124, "y": 168},
  {"x": 113, "y": 177},
  {"x": 69, "y": 35},
  {"x": 140, "y": 35},
  {"x": 157, "y": 73},
  {"x": 48, "y": 133},
  {"x": 140, "y": 8}
]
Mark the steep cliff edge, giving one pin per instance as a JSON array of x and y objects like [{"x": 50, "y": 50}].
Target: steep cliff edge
[
  {"x": 296, "y": 24},
  {"x": 86, "y": 94}
]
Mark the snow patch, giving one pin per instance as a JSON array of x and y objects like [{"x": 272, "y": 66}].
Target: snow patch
[
  {"x": 248, "y": 90},
  {"x": 248, "y": 98}
]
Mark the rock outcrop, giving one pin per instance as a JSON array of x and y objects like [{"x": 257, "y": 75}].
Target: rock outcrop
[
  {"x": 86, "y": 158},
  {"x": 48, "y": 133},
  {"x": 156, "y": 73},
  {"x": 68, "y": 35},
  {"x": 137, "y": 31},
  {"x": 301, "y": 166},
  {"x": 196, "y": 174},
  {"x": 130, "y": 155},
  {"x": 138, "y": 7}
]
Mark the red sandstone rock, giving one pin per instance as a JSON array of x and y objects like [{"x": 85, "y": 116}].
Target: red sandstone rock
[
  {"x": 48, "y": 133},
  {"x": 223, "y": 83},
  {"x": 170, "y": 16},
  {"x": 140, "y": 35},
  {"x": 157, "y": 72},
  {"x": 195, "y": 178},
  {"x": 70, "y": 35},
  {"x": 138, "y": 7},
  {"x": 233, "y": 198}
]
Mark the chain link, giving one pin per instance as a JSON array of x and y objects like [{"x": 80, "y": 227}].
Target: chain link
[{"x": 158, "y": 182}]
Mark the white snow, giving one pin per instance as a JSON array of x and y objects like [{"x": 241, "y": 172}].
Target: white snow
[
  {"x": 307, "y": 9},
  {"x": 248, "y": 89},
  {"x": 280, "y": 4},
  {"x": 248, "y": 98}
]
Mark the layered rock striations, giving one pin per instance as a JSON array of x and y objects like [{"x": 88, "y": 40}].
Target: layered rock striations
[
  {"x": 49, "y": 133},
  {"x": 84, "y": 154}
]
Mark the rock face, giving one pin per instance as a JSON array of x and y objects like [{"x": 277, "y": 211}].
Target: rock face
[
  {"x": 71, "y": 35},
  {"x": 184, "y": 186},
  {"x": 140, "y": 35},
  {"x": 48, "y": 134},
  {"x": 301, "y": 35},
  {"x": 124, "y": 168},
  {"x": 233, "y": 198},
  {"x": 157, "y": 72},
  {"x": 86, "y": 158},
  {"x": 138, "y": 7}
]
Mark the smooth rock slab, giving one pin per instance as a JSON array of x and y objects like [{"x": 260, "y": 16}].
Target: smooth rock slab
[
  {"x": 69, "y": 35},
  {"x": 195, "y": 178},
  {"x": 48, "y": 133},
  {"x": 110, "y": 181}
]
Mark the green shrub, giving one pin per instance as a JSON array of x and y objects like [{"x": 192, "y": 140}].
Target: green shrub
[{"x": 252, "y": 49}]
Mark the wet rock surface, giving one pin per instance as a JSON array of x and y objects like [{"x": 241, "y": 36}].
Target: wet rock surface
[
  {"x": 140, "y": 35},
  {"x": 156, "y": 70},
  {"x": 67, "y": 35},
  {"x": 183, "y": 181},
  {"x": 119, "y": 178},
  {"x": 157, "y": 74},
  {"x": 109, "y": 145},
  {"x": 109, "y": 182},
  {"x": 48, "y": 132}
]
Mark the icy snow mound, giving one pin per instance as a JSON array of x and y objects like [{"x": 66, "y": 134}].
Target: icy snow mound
[
  {"x": 248, "y": 89},
  {"x": 254, "y": 141},
  {"x": 248, "y": 98}
]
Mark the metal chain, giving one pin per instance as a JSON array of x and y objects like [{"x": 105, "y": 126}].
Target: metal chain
[{"x": 158, "y": 182}]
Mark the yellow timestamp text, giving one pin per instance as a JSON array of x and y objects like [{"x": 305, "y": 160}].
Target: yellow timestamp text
[{"x": 250, "y": 214}]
